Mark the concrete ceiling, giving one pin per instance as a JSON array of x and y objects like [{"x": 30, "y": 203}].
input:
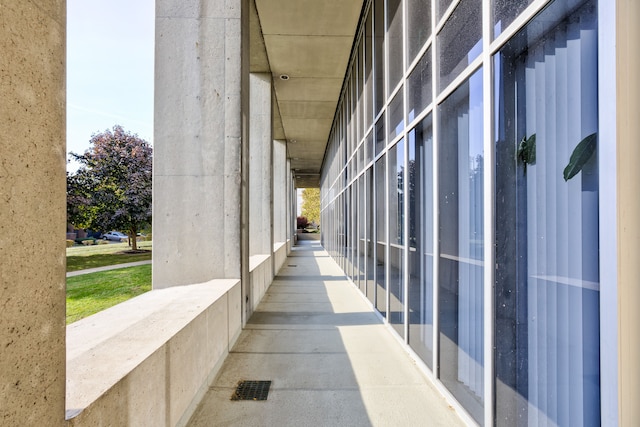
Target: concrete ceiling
[{"x": 310, "y": 42}]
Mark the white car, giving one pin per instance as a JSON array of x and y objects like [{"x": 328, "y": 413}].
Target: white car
[{"x": 115, "y": 235}]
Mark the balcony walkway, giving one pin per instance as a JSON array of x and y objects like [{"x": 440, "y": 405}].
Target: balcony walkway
[{"x": 330, "y": 359}]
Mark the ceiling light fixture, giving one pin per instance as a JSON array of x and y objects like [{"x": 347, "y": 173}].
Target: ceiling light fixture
[{"x": 284, "y": 77}]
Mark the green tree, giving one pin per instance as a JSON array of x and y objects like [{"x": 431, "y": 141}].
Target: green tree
[
  {"x": 112, "y": 188},
  {"x": 311, "y": 205}
]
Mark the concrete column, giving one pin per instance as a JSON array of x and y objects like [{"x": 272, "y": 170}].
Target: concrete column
[
  {"x": 628, "y": 233},
  {"x": 291, "y": 219},
  {"x": 260, "y": 166},
  {"x": 32, "y": 213},
  {"x": 280, "y": 190},
  {"x": 200, "y": 135}
]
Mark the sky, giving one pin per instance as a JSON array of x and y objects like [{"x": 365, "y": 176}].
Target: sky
[{"x": 110, "y": 47}]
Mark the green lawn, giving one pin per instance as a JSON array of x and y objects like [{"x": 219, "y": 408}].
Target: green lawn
[
  {"x": 90, "y": 293},
  {"x": 83, "y": 257}
]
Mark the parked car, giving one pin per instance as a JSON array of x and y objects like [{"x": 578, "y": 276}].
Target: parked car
[{"x": 115, "y": 235}]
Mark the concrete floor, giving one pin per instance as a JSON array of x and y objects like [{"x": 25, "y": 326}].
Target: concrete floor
[{"x": 330, "y": 359}]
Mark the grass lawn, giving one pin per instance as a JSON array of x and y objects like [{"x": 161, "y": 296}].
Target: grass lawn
[
  {"x": 90, "y": 293},
  {"x": 83, "y": 257}
]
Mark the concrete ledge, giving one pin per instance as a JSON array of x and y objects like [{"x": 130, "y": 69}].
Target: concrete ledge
[
  {"x": 260, "y": 277},
  {"x": 280, "y": 252},
  {"x": 307, "y": 236},
  {"x": 149, "y": 360}
]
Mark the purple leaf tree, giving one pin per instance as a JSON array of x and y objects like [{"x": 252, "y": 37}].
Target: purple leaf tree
[{"x": 112, "y": 188}]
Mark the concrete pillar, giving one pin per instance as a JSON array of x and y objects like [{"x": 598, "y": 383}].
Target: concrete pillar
[
  {"x": 260, "y": 166},
  {"x": 280, "y": 190},
  {"x": 32, "y": 213},
  {"x": 201, "y": 111}
]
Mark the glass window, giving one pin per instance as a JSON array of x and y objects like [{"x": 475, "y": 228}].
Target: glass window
[
  {"x": 380, "y": 135},
  {"x": 503, "y": 12},
  {"x": 419, "y": 26},
  {"x": 547, "y": 249},
  {"x": 352, "y": 137},
  {"x": 460, "y": 41},
  {"x": 369, "y": 149},
  {"x": 460, "y": 274},
  {"x": 394, "y": 26},
  {"x": 362, "y": 242},
  {"x": 396, "y": 237},
  {"x": 396, "y": 115},
  {"x": 348, "y": 260},
  {"x": 360, "y": 89},
  {"x": 368, "y": 68},
  {"x": 419, "y": 93},
  {"x": 421, "y": 210},
  {"x": 369, "y": 236},
  {"x": 378, "y": 47},
  {"x": 353, "y": 231},
  {"x": 441, "y": 8},
  {"x": 381, "y": 235}
]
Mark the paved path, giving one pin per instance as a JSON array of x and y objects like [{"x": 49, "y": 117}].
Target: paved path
[
  {"x": 330, "y": 359},
  {"x": 107, "y": 268}
]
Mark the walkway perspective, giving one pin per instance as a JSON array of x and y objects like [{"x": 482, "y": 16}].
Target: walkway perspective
[{"x": 330, "y": 360}]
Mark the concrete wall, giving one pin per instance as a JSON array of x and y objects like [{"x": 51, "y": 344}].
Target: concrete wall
[
  {"x": 149, "y": 360},
  {"x": 32, "y": 212},
  {"x": 260, "y": 277},
  {"x": 628, "y": 235}
]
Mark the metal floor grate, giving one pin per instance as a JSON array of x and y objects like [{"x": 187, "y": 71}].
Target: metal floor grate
[{"x": 251, "y": 390}]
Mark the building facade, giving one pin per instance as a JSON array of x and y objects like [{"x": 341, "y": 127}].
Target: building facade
[{"x": 464, "y": 193}]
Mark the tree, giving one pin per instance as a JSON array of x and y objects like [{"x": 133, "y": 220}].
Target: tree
[
  {"x": 301, "y": 222},
  {"x": 311, "y": 204},
  {"x": 112, "y": 187}
]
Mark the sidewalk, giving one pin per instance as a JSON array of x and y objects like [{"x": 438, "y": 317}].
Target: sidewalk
[
  {"x": 330, "y": 359},
  {"x": 107, "y": 268}
]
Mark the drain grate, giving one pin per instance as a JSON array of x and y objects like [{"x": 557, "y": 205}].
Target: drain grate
[
  {"x": 251, "y": 390},
  {"x": 291, "y": 265}
]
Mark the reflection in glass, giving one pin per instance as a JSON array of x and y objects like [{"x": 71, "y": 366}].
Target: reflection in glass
[
  {"x": 396, "y": 237},
  {"x": 378, "y": 6},
  {"x": 460, "y": 41},
  {"x": 369, "y": 149},
  {"x": 396, "y": 115},
  {"x": 360, "y": 91},
  {"x": 394, "y": 48},
  {"x": 381, "y": 235},
  {"x": 441, "y": 7},
  {"x": 460, "y": 275},
  {"x": 503, "y": 12},
  {"x": 354, "y": 232},
  {"x": 420, "y": 254},
  {"x": 419, "y": 23},
  {"x": 368, "y": 69},
  {"x": 380, "y": 135},
  {"x": 370, "y": 236},
  {"x": 347, "y": 232},
  {"x": 362, "y": 242},
  {"x": 419, "y": 92},
  {"x": 547, "y": 251}
]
